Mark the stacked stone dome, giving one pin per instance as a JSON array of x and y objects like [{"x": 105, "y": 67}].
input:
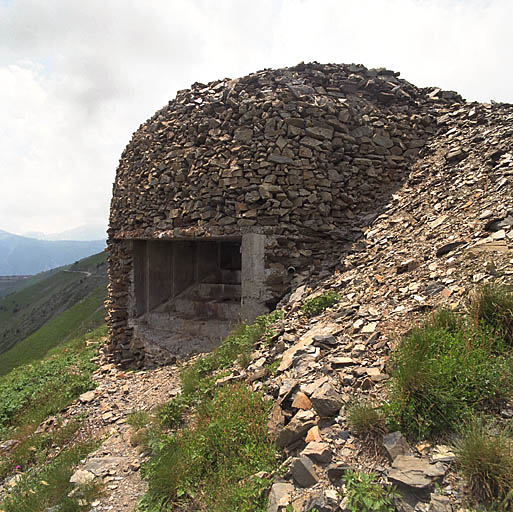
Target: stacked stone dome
[
  {"x": 304, "y": 156},
  {"x": 294, "y": 150}
]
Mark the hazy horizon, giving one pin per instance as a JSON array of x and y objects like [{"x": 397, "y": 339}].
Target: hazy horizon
[{"x": 97, "y": 229}]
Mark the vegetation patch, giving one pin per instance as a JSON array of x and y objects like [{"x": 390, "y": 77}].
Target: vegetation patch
[
  {"x": 316, "y": 305},
  {"x": 367, "y": 421},
  {"x": 42, "y": 462},
  {"x": 444, "y": 371},
  {"x": 492, "y": 307},
  {"x": 31, "y": 393},
  {"x": 48, "y": 487},
  {"x": 364, "y": 494},
  {"x": 212, "y": 461},
  {"x": 34, "y": 449}
]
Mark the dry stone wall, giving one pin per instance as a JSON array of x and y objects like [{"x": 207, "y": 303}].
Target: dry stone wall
[{"x": 305, "y": 155}]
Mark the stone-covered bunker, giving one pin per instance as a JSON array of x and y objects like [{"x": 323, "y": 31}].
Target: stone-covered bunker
[{"x": 235, "y": 186}]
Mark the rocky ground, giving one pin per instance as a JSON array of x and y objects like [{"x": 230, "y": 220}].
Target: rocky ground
[
  {"x": 449, "y": 228},
  {"x": 117, "y": 461}
]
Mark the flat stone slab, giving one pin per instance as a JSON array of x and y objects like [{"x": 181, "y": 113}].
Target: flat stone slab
[
  {"x": 415, "y": 472},
  {"x": 306, "y": 340},
  {"x": 100, "y": 466}
]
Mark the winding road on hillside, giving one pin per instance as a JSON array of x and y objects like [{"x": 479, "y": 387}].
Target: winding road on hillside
[{"x": 88, "y": 274}]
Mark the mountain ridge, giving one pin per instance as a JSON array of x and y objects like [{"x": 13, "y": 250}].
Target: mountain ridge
[
  {"x": 20, "y": 255},
  {"x": 82, "y": 233}
]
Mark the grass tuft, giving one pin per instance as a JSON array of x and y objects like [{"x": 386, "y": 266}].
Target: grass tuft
[
  {"x": 486, "y": 462},
  {"x": 492, "y": 306},
  {"x": 316, "y": 305},
  {"x": 366, "y": 419}
]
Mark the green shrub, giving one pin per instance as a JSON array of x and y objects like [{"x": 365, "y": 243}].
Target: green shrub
[
  {"x": 365, "y": 495},
  {"x": 138, "y": 419},
  {"x": 486, "y": 462},
  {"x": 212, "y": 461},
  {"x": 170, "y": 414},
  {"x": 441, "y": 375},
  {"x": 316, "y": 305},
  {"x": 492, "y": 305}
]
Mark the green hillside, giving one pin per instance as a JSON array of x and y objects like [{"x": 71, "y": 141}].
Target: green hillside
[
  {"x": 43, "y": 297},
  {"x": 84, "y": 316},
  {"x": 9, "y": 284}
]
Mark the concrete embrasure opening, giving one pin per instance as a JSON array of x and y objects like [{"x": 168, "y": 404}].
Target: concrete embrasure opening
[{"x": 187, "y": 293}]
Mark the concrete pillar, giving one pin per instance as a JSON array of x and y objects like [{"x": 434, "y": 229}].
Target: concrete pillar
[{"x": 253, "y": 276}]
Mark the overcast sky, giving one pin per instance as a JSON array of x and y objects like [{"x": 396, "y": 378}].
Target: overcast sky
[{"x": 78, "y": 77}]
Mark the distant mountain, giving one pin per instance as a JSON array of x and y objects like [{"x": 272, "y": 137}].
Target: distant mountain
[
  {"x": 83, "y": 233},
  {"x": 20, "y": 255}
]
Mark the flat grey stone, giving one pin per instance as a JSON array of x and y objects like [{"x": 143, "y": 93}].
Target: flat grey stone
[
  {"x": 100, "y": 466},
  {"x": 319, "y": 132},
  {"x": 280, "y": 159},
  {"x": 81, "y": 477},
  {"x": 440, "y": 504},
  {"x": 395, "y": 444},
  {"x": 86, "y": 397},
  {"x": 415, "y": 472},
  {"x": 383, "y": 141}
]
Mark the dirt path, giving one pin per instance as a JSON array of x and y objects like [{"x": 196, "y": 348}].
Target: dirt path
[{"x": 116, "y": 463}]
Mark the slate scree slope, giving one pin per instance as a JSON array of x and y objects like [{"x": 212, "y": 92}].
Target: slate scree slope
[{"x": 235, "y": 186}]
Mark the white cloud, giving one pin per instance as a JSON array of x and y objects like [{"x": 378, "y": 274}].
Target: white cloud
[{"x": 77, "y": 78}]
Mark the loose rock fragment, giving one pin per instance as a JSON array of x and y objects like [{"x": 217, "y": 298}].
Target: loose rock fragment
[
  {"x": 326, "y": 401},
  {"x": 303, "y": 472}
]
